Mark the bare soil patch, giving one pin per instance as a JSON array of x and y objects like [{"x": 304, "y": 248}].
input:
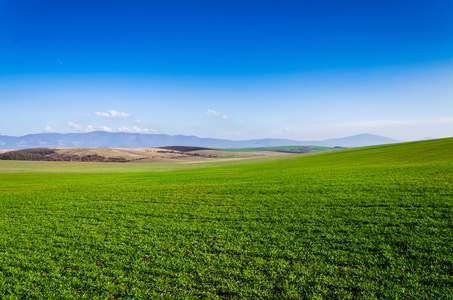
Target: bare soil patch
[{"x": 174, "y": 154}]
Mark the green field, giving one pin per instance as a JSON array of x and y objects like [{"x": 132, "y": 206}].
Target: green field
[
  {"x": 8, "y": 166},
  {"x": 275, "y": 148},
  {"x": 365, "y": 223}
]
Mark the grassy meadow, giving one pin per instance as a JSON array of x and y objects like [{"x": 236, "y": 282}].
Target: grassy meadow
[
  {"x": 373, "y": 222},
  {"x": 278, "y": 148}
]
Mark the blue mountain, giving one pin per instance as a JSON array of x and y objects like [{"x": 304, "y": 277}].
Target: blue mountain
[{"x": 136, "y": 140}]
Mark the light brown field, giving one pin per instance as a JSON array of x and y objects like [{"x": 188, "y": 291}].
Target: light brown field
[{"x": 160, "y": 155}]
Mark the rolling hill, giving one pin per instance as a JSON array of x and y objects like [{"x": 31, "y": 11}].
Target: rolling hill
[{"x": 362, "y": 223}]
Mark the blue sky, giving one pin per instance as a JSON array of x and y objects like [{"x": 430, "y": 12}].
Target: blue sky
[{"x": 304, "y": 70}]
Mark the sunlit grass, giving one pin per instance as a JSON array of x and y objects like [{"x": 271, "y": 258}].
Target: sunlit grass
[
  {"x": 363, "y": 223},
  {"x": 16, "y": 166}
]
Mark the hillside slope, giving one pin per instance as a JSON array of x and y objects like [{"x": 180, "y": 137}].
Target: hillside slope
[
  {"x": 368, "y": 223},
  {"x": 420, "y": 152}
]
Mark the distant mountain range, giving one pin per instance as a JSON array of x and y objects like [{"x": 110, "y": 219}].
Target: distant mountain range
[{"x": 136, "y": 140}]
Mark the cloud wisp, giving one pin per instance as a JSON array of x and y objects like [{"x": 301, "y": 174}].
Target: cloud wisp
[
  {"x": 211, "y": 112},
  {"x": 113, "y": 114},
  {"x": 136, "y": 129},
  {"x": 140, "y": 122},
  {"x": 88, "y": 128},
  {"x": 49, "y": 129}
]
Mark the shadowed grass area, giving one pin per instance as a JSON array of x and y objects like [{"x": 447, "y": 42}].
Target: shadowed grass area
[{"x": 364, "y": 223}]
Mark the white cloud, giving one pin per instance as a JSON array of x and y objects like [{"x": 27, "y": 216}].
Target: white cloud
[
  {"x": 98, "y": 128},
  {"x": 75, "y": 126},
  {"x": 101, "y": 114},
  {"x": 88, "y": 128},
  {"x": 112, "y": 114},
  {"x": 136, "y": 129},
  {"x": 211, "y": 112},
  {"x": 140, "y": 122},
  {"x": 49, "y": 129}
]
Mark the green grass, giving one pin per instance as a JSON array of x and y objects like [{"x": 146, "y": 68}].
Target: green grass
[
  {"x": 18, "y": 166},
  {"x": 363, "y": 223},
  {"x": 275, "y": 148}
]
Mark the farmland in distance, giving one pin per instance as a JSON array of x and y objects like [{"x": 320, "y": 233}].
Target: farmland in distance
[{"x": 373, "y": 222}]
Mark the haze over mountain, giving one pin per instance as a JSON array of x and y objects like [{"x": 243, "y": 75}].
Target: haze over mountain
[{"x": 136, "y": 140}]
